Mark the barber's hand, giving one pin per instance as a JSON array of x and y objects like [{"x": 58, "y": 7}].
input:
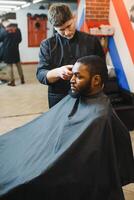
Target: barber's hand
[{"x": 65, "y": 72}]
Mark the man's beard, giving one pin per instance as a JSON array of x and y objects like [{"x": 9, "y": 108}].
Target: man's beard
[
  {"x": 83, "y": 93},
  {"x": 74, "y": 94}
]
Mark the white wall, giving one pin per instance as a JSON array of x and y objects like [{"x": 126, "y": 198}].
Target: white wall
[{"x": 28, "y": 54}]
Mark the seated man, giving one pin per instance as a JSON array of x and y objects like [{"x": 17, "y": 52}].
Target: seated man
[{"x": 78, "y": 150}]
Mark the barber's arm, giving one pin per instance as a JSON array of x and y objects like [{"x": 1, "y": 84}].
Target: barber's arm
[
  {"x": 99, "y": 49},
  {"x": 64, "y": 72},
  {"x": 45, "y": 74},
  {"x": 100, "y": 52}
]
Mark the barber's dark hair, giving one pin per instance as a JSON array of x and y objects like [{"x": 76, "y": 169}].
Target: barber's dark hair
[
  {"x": 96, "y": 65},
  {"x": 58, "y": 14}
]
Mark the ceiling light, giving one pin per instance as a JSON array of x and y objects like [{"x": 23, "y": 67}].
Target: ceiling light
[
  {"x": 17, "y": 8},
  {"x": 5, "y": 9},
  {"x": 36, "y": 1},
  {"x": 13, "y": 2},
  {"x": 7, "y": 6},
  {"x": 25, "y": 5}
]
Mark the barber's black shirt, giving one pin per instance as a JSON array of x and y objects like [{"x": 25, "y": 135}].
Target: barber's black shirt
[{"x": 58, "y": 51}]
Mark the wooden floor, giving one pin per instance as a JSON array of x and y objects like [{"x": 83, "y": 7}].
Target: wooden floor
[{"x": 22, "y": 103}]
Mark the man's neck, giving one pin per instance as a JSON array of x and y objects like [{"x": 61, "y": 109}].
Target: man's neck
[{"x": 94, "y": 92}]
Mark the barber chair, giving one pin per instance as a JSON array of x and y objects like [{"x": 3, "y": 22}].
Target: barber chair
[{"x": 122, "y": 101}]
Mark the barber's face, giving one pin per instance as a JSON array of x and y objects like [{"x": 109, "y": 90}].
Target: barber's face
[
  {"x": 68, "y": 29},
  {"x": 81, "y": 80}
]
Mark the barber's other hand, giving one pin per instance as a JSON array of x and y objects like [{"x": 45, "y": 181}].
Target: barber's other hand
[{"x": 65, "y": 72}]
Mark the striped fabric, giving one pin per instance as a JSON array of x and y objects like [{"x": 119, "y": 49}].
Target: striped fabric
[
  {"x": 121, "y": 45},
  {"x": 81, "y": 22}
]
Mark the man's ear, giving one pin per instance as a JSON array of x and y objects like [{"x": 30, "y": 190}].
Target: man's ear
[{"x": 96, "y": 80}]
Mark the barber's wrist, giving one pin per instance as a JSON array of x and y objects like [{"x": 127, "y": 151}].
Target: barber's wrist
[
  {"x": 58, "y": 72},
  {"x": 53, "y": 76}
]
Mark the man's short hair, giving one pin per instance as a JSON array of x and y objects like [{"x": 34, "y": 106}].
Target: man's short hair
[
  {"x": 96, "y": 65},
  {"x": 58, "y": 14}
]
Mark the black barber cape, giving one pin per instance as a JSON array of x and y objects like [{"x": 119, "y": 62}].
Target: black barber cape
[{"x": 78, "y": 150}]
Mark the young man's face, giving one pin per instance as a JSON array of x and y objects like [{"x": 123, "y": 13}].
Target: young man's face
[
  {"x": 68, "y": 29},
  {"x": 81, "y": 79}
]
